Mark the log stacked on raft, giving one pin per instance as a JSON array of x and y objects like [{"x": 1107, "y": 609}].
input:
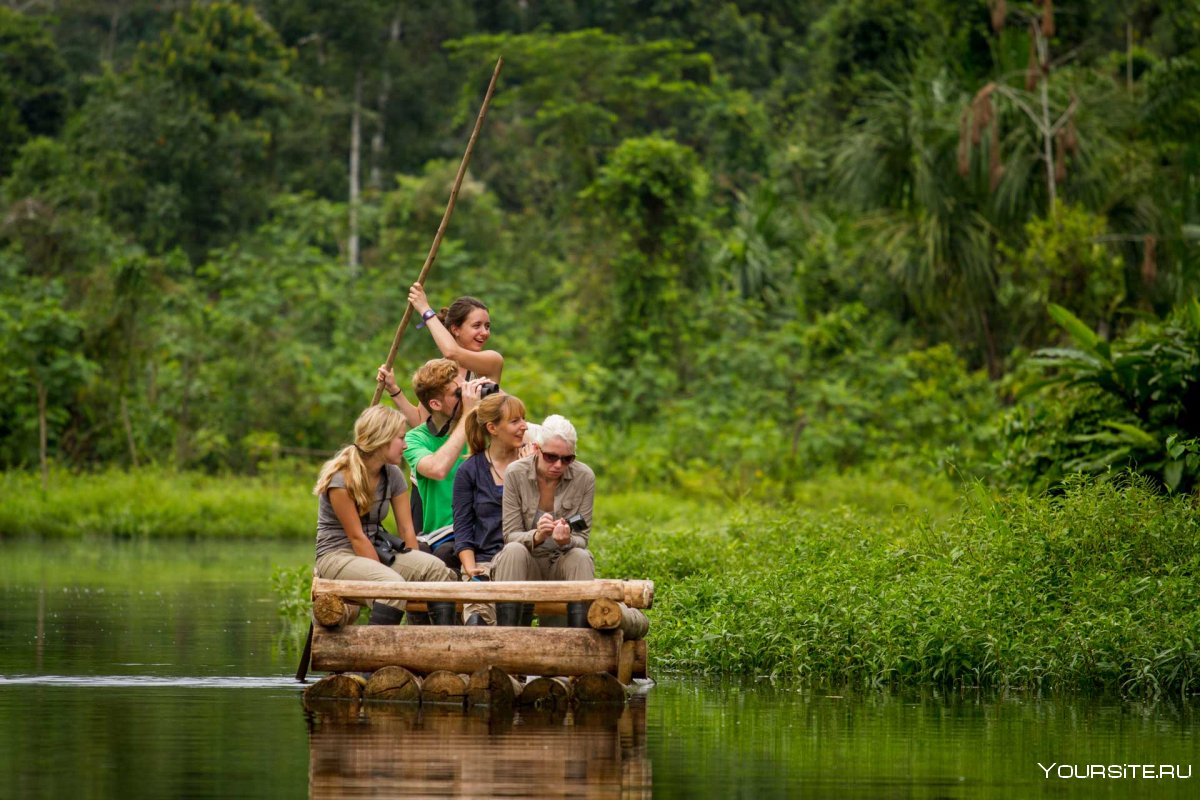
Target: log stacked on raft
[
  {"x": 457, "y": 665},
  {"x": 635, "y": 594}
]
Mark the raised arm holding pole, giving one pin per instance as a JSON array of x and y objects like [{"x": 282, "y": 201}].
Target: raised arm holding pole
[{"x": 437, "y": 239}]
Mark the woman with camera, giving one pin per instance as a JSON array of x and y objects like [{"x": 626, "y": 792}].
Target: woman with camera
[
  {"x": 547, "y": 518},
  {"x": 495, "y": 434},
  {"x": 355, "y": 489}
]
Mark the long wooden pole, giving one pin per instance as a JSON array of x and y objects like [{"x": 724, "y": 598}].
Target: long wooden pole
[
  {"x": 302, "y": 670},
  {"x": 441, "y": 231}
]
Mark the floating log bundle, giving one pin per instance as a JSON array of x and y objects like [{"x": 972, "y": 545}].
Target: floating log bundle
[{"x": 480, "y": 665}]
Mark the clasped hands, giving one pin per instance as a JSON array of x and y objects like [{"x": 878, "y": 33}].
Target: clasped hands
[{"x": 550, "y": 528}]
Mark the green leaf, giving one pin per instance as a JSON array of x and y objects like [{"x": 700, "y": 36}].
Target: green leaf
[
  {"x": 1134, "y": 435},
  {"x": 1172, "y": 474},
  {"x": 1081, "y": 333}
]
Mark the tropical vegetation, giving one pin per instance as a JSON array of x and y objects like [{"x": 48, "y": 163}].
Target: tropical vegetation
[{"x": 763, "y": 254}]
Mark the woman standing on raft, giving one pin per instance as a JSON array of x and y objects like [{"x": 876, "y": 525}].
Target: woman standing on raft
[{"x": 355, "y": 488}]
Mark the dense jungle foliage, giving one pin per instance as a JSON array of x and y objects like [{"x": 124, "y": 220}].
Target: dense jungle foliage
[
  {"x": 836, "y": 255},
  {"x": 738, "y": 243}
]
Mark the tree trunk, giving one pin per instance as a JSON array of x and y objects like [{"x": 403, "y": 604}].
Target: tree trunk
[
  {"x": 43, "y": 456},
  {"x": 375, "y": 175},
  {"x": 182, "y": 444},
  {"x": 128, "y": 425},
  {"x": 355, "y": 156},
  {"x": 1047, "y": 130}
]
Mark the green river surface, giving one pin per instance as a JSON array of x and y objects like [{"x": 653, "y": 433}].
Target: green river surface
[{"x": 163, "y": 670}]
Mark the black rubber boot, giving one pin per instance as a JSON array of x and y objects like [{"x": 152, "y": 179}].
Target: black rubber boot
[
  {"x": 385, "y": 615},
  {"x": 577, "y": 614},
  {"x": 508, "y": 614},
  {"x": 419, "y": 618},
  {"x": 526, "y": 615},
  {"x": 443, "y": 613},
  {"x": 475, "y": 619}
]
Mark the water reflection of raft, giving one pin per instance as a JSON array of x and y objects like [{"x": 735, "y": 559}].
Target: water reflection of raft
[
  {"x": 359, "y": 749},
  {"x": 468, "y": 664}
]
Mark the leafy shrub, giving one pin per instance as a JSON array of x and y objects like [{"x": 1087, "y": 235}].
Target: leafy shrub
[{"x": 1101, "y": 406}]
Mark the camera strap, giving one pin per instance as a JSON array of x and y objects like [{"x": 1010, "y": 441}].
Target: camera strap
[{"x": 378, "y": 529}]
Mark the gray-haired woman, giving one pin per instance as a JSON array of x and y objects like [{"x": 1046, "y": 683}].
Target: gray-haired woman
[{"x": 548, "y": 498}]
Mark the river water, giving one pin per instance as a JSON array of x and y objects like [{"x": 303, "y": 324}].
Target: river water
[{"x": 132, "y": 669}]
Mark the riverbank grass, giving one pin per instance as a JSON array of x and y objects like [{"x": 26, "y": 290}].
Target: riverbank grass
[{"x": 1092, "y": 589}]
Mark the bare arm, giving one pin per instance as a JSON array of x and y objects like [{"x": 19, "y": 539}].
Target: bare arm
[
  {"x": 437, "y": 465},
  {"x": 402, "y": 511},
  {"x": 486, "y": 363},
  {"x": 347, "y": 514},
  {"x": 413, "y": 415}
]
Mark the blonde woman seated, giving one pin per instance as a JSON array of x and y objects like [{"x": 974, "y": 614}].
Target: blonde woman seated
[
  {"x": 356, "y": 487},
  {"x": 547, "y": 519}
]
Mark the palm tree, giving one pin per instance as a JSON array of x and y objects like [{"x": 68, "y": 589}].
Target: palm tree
[{"x": 929, "y": 225}]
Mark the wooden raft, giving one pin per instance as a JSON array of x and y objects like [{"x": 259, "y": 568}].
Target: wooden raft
[{"x": 473, "y": 664}]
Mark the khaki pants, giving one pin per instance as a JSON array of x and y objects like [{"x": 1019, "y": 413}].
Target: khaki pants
[
  {"x": 516, "y": 563},
  {"x": 486, "y": 611},
  {"x": 413, "y": 565}
]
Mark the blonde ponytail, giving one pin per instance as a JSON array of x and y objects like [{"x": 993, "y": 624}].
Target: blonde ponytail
[{"x": 374, "y": 429}]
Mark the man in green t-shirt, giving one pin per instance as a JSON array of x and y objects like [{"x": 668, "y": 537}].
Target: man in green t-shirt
[{"x": 435, "y": 448}]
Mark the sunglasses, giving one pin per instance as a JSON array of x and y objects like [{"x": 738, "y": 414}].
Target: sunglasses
[{"x": 554, "y": 458}]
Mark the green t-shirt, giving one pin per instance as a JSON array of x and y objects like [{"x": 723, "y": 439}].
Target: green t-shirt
[{"x": 437, "y": 497}]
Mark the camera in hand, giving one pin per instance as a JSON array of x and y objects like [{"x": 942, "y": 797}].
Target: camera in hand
[
  {"x": 486, "y": 389},
  {"x": 577, "y": 523}
]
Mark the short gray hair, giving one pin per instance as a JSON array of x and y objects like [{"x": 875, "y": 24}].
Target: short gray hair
[{"x": 557, "y": 427}]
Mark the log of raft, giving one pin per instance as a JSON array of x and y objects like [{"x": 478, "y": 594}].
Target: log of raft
[
  {"x": 635, "y": 594},
  {"x": 492, "y": 686},
  {"x": 545, "y": 693},
  {"x": 426, "y": 649},
  {"x": 444, "y": 686},
  {"x": 393, "y": 683},
  {"x": 336, "y": 687},
  {"x": 607, "y": 615},
  {"x": 640, "y": 654},
  {"x": 330, "y": 611},
  {"x": 597, "y": 687}
]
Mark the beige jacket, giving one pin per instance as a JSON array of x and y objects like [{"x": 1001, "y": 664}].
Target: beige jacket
[{"x": 574, "y": 495}]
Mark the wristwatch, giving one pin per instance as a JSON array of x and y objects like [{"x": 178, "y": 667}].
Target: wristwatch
[{"x": 425, "y": 317}]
